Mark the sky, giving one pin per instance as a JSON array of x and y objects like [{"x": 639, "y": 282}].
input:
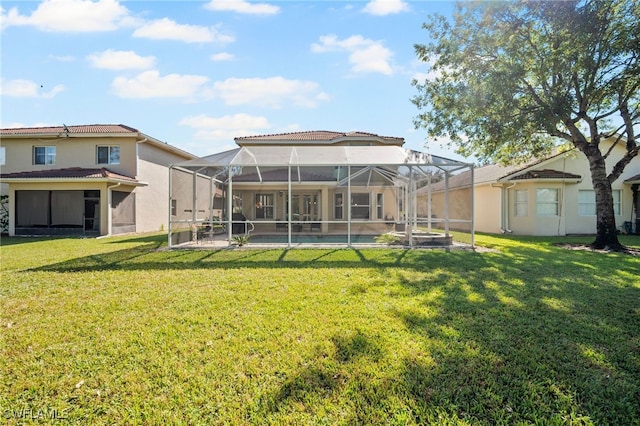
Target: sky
[{"x": 197, "y": 74}]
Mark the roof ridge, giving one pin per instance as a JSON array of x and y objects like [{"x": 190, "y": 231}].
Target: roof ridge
[
  {"x": 61, "y": 128},
  {"x": 332, "y": 133}
]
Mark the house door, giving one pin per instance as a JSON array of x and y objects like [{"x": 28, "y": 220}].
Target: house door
[{"x": 305, "y": 207}]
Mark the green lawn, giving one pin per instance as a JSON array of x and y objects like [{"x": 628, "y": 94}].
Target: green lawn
[{"x": 115, "y": 331}]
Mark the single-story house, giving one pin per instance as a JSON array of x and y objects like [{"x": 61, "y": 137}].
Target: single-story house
[{"x": 549, "y": 196}]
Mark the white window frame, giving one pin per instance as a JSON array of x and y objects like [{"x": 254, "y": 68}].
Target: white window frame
[
  {"x": 265, "y": 201},
  {"x": 379, "y": 205},
  {"x": 49, "y": 155},
  {"x": 541, "y": 204},
  {"x": 361, "y": 207},
  {"x": 521, "y": 202},
  {"x": 111, "y": 149},
  {"x": 338, "y": 206},
  {"x": 587, "y": 202},
  {"x": 3, "y": 156}
]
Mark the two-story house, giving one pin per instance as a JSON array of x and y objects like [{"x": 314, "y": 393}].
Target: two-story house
[
  {"x": 309, "y": 186},
  {"x": 93, "y": 180}
]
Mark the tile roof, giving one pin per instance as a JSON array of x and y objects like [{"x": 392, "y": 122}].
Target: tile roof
[
  {"x": 69, "y": 173},
  {"x": 315, "y": 135},
  {"x": 633, "y": 179},
  {"x": 282, "y": 175},
  {"x": 546, "y": 174},
  {"x": 83, "y": 129}
]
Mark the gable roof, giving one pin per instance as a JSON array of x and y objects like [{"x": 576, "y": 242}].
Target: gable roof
[
  {"x": 72, "y": 173},
  {"x": 319, "y": 137},
  {"x": 545, "y": 174}
]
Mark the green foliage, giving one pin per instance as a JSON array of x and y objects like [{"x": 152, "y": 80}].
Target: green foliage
[
  {"x": 508, "y": 75},
  {"x": 387, "y": 238},
  {"x": 4, "y": 214},
  {"x": 510, "y": 79},
  {"x": 240, "y": 239},
  {"x": 122, "y": 331}
]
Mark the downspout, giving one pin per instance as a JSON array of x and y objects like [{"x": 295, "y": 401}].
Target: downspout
[
  {"x": 349, "y": 206},
  {"x": 473, "y": 208},
  {"x": 169, "y": 221},
  {"x": 504, "y": 208},
  {"x": 634, "y": 207},
  {"x": 410, "y": 223},
  {"x": 446, "y": 203},
  {"x": 138, "y": 155},
  {"x": 109, "y": 215}
]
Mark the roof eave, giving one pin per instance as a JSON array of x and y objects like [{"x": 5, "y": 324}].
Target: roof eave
[
  {"x": 73, "y": 180},
  {"x": 554, "y": 180}
]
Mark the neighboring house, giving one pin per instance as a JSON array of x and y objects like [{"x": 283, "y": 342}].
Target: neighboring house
[
  {"x": 551, "y": 196},
  {"x": 93, "y": 180},
  {"x": 314, "y": 183}
]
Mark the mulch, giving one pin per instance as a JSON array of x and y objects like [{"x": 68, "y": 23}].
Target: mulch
[{"x": 632, "y": 251}]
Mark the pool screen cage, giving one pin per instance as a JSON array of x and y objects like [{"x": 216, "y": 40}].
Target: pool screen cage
[{"x": 297, "y": 195}]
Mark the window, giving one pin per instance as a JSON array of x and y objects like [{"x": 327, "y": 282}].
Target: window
[
  {"x": 360, "y": 206},
  {"x": 44, "y": 155},
  {"x": 264, "y": 206},
  {"x": 547, "y": 202},
  {"x": 522, "y": 202},
  {"x": 587, "y": 202},
  {"x": 174, "y": 207},
  {"x": 2, "y": 154},
  {"x": 617, "y": 202},
  {"x": 338, "y": 206},
  {"x": 108, "y": 155},
  {"x": 379, "y": 205}
]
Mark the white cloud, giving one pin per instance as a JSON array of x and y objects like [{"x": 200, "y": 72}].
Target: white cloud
[
  {"x": 223, "y": 56},
  {"x": 150, "y": 84},
  {"x": 70, "y": 16},
  {"x": 120, "y": 60},
  {"x": 167, "y": 29},
  {"x": 226, "y": 127},
  {"x": 27, "y": 89},
  {"x": 271, "y": 92},
  {"x": 385, "y": 7},
  {"x": 366, "y": 55},
  {"x": 429, "y": 75},
  {"x": 242, "y": 6}
]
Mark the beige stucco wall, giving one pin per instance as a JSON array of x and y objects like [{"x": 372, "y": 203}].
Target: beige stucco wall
[
  {"x": 532, "y": 223},
  {"x": 460, "y": 207},
  {"x": 152, "y": 201},
  {"x": 144, "y": 161},
  {"x": 70, "y": 152},
  {"x": 569, "y": 221},
  {"x": 488, "y": 209}
]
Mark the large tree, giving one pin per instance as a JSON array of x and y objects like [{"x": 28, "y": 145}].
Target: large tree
[{"x": 510, "y": 79}]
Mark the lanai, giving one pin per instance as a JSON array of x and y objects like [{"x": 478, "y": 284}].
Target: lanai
[{"x": 332, "y": 194}]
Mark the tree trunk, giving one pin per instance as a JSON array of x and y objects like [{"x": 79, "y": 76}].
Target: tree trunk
[{"x": 606, "y": 233}]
